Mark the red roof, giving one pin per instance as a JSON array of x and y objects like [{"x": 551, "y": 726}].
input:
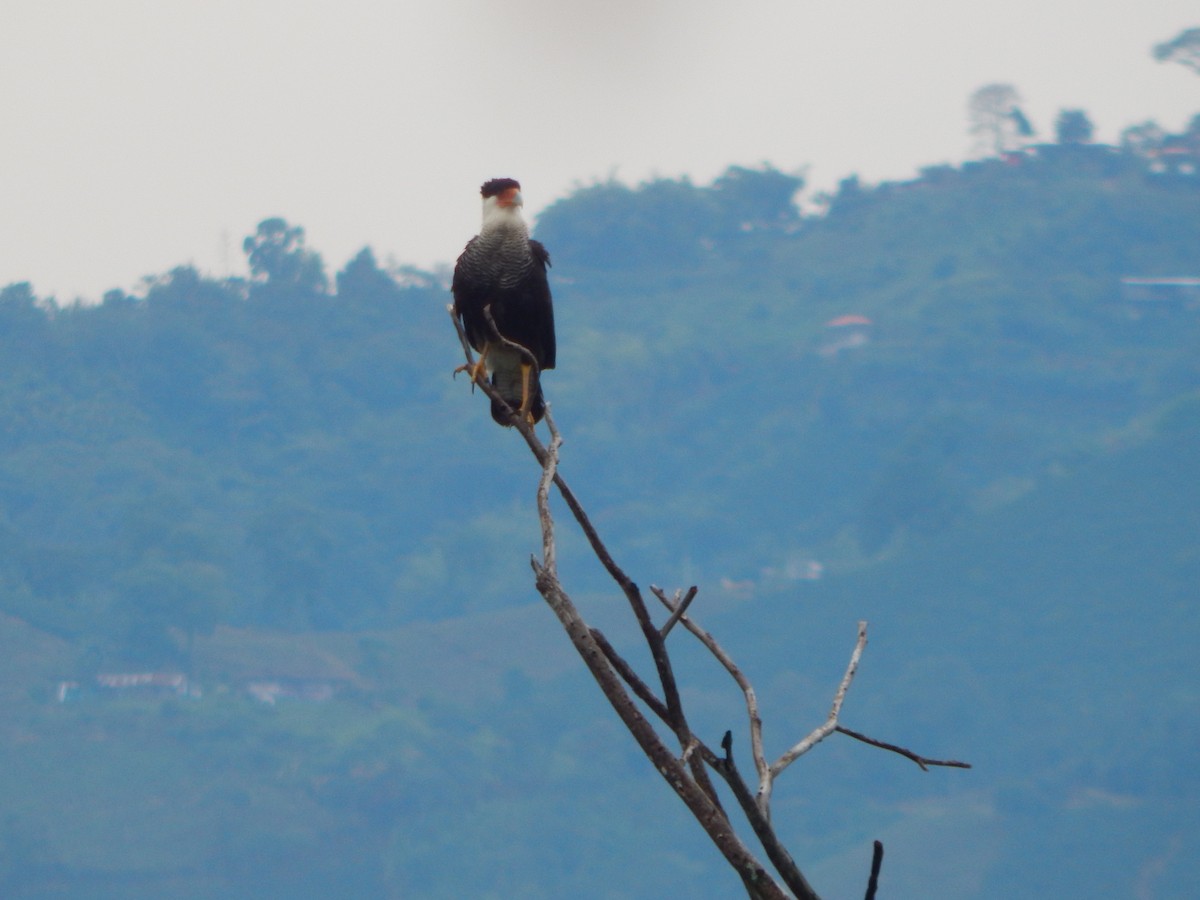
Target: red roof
[{"x": 842, "y": 321}]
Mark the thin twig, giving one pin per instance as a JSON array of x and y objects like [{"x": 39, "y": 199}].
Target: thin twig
[
  {"x": 680, "y": 609},
  {"x": 462, "y": 338},
  {"x": 524, "y": 351},
  {"x": 923, "y": 761},
  {"x": 549, "y": 468},
  {"x": 876, "y": 864},
  {"x": 631, "y": 678},
  {"x": 776, "y": 852},
  {"x": 822, "y": 731},
  {"x": 520, "y": 423},
  {"x": 520, "y": 349},
  {"x": 756, "y": 740}
]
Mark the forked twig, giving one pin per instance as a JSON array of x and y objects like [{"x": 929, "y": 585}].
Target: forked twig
[
  {"x": 680, "y": 608},
  {"x": 756, "y": 741},
  {"x": 759, "y": 821},
  {"x": 823, "y": 730},
  {"x": 923, "y": 761},
  {"x": 631, "y": 678}
]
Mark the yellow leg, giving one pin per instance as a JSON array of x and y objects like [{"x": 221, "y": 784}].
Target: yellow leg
[
  {"x": 476, "y": 370},
  {"x": 526, "y": 398}
]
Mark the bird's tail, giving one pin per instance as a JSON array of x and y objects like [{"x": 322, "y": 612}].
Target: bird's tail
[{"x": 507, "y": 380}]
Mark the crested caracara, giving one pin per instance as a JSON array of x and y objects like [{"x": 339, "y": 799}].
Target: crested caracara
[{"x": 504, "y": 270}]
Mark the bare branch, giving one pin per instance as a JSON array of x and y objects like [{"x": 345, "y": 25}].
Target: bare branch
[
  {"x": 826, "y": 728},
  {"x": 549, "y": 469},
  {"x": 462, "y": 337},
  {"x": 675, "y": 718},
  {"x": 776, "y": 852},
  {"x": 711, "y": 818},
  {"x": 697, "y": 793},
  {"x": 524, "y": 351},
  {"x": 855, "y": 657},
  {"x": 819, "y": 733},
  {"x": 876, "y": 865},
  {"x": 631, "y": 678},
  {"x": 680, "y": 609},
  {"x": 923, "y": 761},
  {"x": 518, "y": 422},
  {"x": 693, "y": 745},
  {"x": 687, "y": 773},
  {"x": 756, "y": 741},
  {"x": 549, "y": 463}
]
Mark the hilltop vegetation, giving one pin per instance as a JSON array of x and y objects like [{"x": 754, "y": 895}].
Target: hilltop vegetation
[
  {"x": 272, "y": 453},
  {"x": 276, "y": 478}
]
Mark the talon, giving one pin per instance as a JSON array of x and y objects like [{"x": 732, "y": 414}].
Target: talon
[{"x": 476, "y": 370}]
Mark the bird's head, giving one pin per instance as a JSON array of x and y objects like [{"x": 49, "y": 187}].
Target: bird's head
[{"x": 501, "y": 201}]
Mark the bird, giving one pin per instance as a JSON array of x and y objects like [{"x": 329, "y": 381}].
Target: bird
[{"x": 503, "y": 271}]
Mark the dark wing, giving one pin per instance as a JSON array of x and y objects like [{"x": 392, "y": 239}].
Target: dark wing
[
  {"x": 523, "y": 312},
  {"x": 471, "y": 295},
  {"x": 541, "y": 307}
]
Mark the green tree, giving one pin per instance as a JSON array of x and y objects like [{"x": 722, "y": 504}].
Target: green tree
[
  {"x": 278, "y": 257},
  {"x": 1073, "y": 127},
  {"x": 158, "y": 594},
  {"x": 612, "y": 225},
  {"x": 997, "y": 124},
  {"x": 1142, "y": 139},
  {"x": 362, "y": 277},
  {"x": 292, "y": 544},
  {"x": 755, "y": 198},
  {"x": 1191, "y": 134},
  {"x": 1184, "y": 49},
  {"x": 20, "y": 313}
]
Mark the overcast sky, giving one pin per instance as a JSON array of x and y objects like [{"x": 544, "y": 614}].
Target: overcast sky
[{"x": 137, "y": 136}]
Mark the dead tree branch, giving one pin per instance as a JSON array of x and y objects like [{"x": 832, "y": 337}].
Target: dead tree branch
[
  {"x": 631, "y": 678},
  {"x": 759, "y": 822},
  {"x": 876, "y": 865},
  {"x": 699, "y": 798},
  {"x": 624, "y": 688},
  {"x": 823, "y": 730},
  {"x": 680, "y": 609},
  {"x": 923, "y": 761},
  {"x": 756, "y": 740}
]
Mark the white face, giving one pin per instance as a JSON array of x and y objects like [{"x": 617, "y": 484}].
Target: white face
[{"x": 503, "y": 209}]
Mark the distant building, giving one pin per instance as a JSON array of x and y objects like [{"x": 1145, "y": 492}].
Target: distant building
[
  {"x": 144, "y": 682},
  {"x": 1174, "y": 157},
  {"x": 268, "y": 691},
  {"x": 846, "y": 332}
]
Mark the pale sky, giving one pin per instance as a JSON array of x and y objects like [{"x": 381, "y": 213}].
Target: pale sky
[{"x": 138, "y": 136}]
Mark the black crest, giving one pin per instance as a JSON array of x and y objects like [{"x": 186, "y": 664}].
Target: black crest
[{"x": 498, "y": 186}]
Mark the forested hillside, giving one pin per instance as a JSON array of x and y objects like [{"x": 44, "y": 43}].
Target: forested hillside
[{"x": 964, "y": 407}]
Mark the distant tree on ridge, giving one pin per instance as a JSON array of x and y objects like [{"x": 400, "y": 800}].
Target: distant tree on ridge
[
  {"x": 1184, "y": 49},
  {"x": 997, "y": 124},
  {"x": 277, "y": 256},
  {"x": 1073, "y": 127}
]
